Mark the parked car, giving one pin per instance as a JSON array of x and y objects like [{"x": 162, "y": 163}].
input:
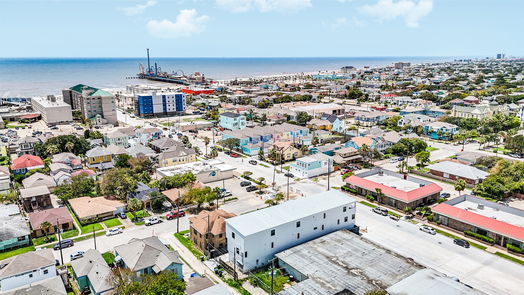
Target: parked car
[
  {"x": 380, "y": 210},
  {"x": 245, "y": 183},
  {"x": 400, "y": 159},
  {"x": 394, "y": 217},
  {"x": 445, "y": 195},
  {"x": 253, "y": 162},
  {"x": 234, "y": 155},
  {"x": 393, "y": 160},
  {"x": 251, "y": 188},
  {"x": 64, "y": 244},
  {"x": 175, "y": 214},
  {"x": 290, "y": 175},
  {"x": 114, "y": 231},
  {"x": 461, "y": 243},
  {"x": 427, "y": 229},
  {"x": 76, "y": 255},
  {"x": 226, "y": 194},
  {"x": 152, "y": 220},
  {"x": 122, "y": 215}
]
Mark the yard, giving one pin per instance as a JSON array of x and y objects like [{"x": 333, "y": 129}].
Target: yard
[
  {"x": 139, "y": 214},
  {"x": 112, "y": 222},
  {"x": 69, "y": 234},
  {"x": 44, "y": 240},
  {"x": 11, "y": 253},
  {"x": 109, "y": 257},
  {"x": 85, "y": 229},
  {"x": 263, "y": 280},
  {"x": 188, "y": 244},
  {"x": 431, "y": 149}
]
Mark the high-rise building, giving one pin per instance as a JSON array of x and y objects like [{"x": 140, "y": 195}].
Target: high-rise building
[
  {"x": 501, "y": 56},
  {"x": 94, "y": 104},
  {"x": 160, "y": 103}
]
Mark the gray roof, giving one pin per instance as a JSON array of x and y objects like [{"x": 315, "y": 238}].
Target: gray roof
[
  {"x": 290, "y": 211},
  {"x": 164, "y": 143},
  {"x": 26, "y": 262},
  {"x": 55, "y": 167},
  {"x": 458, "y": 169},
  {"x": 116, "y": 150},
  {"x": 52, "y": 286},
  {"x": 149, "y": 252},
  {"x": 97, "y": 152},
  {"x": 13, "y": 227},
  {"x": 430, "y": 282},
  {"x": 63, "y": 157},
  {"x": 215, "y": 290},
  {"x": 34, "y": 191},
  {"x": 230, "y": 115},
  {"x": 93, "y": 265},
  {"x": 39, "y": 179},
  {"x": 140, "y": 149},
  {"x": 344, "y": 261},
  {"x": 176, "y": 151}
]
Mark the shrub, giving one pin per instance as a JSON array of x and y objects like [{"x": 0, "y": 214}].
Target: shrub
[
  {"x": 370, "y": 198},
  {"x": 479, "y": 236},
  {"x": 515, "y": 249},
  {"x": 430, "y": 217}
]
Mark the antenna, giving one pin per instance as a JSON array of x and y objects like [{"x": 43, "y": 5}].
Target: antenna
[{"x": 148, "y": 64}]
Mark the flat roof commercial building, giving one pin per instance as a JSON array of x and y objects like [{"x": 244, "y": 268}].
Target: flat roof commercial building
[
  {"x": 502, "y": 223},
  {"x": 396, "y": 190},
  {"x": 205, "y": 172},
  {"x": 455, "y": 171},
  {"x": 52, "y": 109},
  {"x": 254, "y": 238},
  {"x": 345, "y": 263}
]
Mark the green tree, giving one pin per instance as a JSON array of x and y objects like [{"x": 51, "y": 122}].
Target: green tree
[
  {"x": 157, "y": 200},
  {"x": 199, "y": 196},
  {"x": 122, "y": 161},
  {"x": 516, "y": 144},
  {"x": 52, "y": 149},
  {"x": 303, "y": 118},
  {"x": 175, "y": 181},
  {"x": 376, "y": 292},
  {"x": 69, "y": 146},
  {"x": 118, "y": 182},
  {"x": 230, "y": 143},
  {"x": 422, "y": 157},
  {"x": 261, "y": 156},
  {"x": 206, "y": 142},
  {"x": 45, "y": 227},
  {"x": 164, "y": 283},
  {"x": 134, "y": 205},
  {"x": 460, "y": 186},
  {"x": 140, "y": 164},
  {"x": 80, "y": 186},
  {"x": 80, "y": 145}
]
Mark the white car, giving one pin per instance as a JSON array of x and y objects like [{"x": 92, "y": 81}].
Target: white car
[
  {"x": 152, "y": 220},
  {"x": 428, "y": 230},
  {"x": 393, "y": 160},
  {"x": 114, "y": 231},
  {"x": 76, "y": 255}
]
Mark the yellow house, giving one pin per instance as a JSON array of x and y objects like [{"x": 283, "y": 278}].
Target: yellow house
[
  {"x": 99, "y": 158},
  {"x": 289, "y": 151},
  {"x": 320, "y": 124},
  {"x": 177, "y": 155}
]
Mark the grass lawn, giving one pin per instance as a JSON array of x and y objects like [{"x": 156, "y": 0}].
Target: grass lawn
[
  {"x": 263, "y": 165},
  {"x": 112, "y": 222},
  {"x": 139, "y": 214},
  {"x": 188, "y": 244},
  {"x": 263, "y": 280},
  {"x": 86, "y": 237},
  {"x": 286, "y": 168},
  {"x": 109, "y": 257},
  {"x": 44, "y": 240},
  {"x": 69, "y": 234},
  {"x": 508, "y": 257},
  {"x": 367, "y": 204},
  {"x": 431, "y": 149},
  {"x": 5, "y": 255},
  {"x": 85, "y": 229},
  {"x": 501, "y": 150}
]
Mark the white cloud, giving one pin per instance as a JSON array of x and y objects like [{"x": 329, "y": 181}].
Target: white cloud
[
  {"x": 238, "y": 6},
  {"x": 187, "y": 23},
  {"x": 412, "y": 11},
  {"x": 345, "y": 22},
  {"x": 139, "y": 8}
]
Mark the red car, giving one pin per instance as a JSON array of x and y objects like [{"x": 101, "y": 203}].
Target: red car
[
  {"x": 175, "y": 214},
  {"x": 234, "y": 155}
]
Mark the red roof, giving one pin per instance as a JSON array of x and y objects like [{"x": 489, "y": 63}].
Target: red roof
[
  {"x": 401, "y": 195},
  {"x": 493, "y": 225},
  {"x": 389, "y": 95},
  {"x": 87, "y": 172},
  {"x": 26, "y": 161},
  {"x": 30, "y": 116}
]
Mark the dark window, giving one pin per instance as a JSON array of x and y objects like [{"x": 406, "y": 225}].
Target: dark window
[
  {"x": 30, "y": 275},
  {"x": 338, "y": 221},
  {"x": 353, "y": 216},
  {"x": 322, "y": 227},
  {"x": 298, "y": 223},
  {"x": 298, "y": 235},
  {"x": 220, "y": 235},
  {"x": 237, "y": 251},
  {"x": 272, "y": 232},
  {"x": 344, "y": 209},
  {"x": 324, "y": 215},
  {"x": 245, "y": 254},
  {"x": 272, "y": 245},
  {"x": 315, "y": 228},
  {"x": 346, "y": 219},
  {"x": 233, "y": 235},
  {"x": 21, "y": 238},
  {"x": 46, "y": 271}
]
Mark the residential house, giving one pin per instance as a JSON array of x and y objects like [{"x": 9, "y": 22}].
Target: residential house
[
  {"x": 255, "y": 237},
  {"x": 232, "y": 121},
  {"x": 142, "y": 193},
  {"x": 14, "y": 231},
  {"x": 5, "y": 180},
  {"x": 328, "y": 149},
  {"x": 25, "y": 163},
  {"x": 140, "y": 149},
  {"x": 54, "y": 168},
  {"x": 346, "y": 156},
  {"x": 478, "y": 111},
  {"x": 26, "y": 145},
  {"x": 177, "y": 155},
  {"x": 207, "y": 231},
  {"x": 373, "y": 142},
  {"x": 87, "y": 172},
  {"x": 35, "y": 198},
  {"x": 52, "y": 286},
  {"x": 312, "y": 166},
  {"x": 92, "y": 273},
  {"x": 93, "y": 209},
  {"x": 369, "y": 119},
  {"x": 440, "y": 130},
  {"x": 337, "y": 124},
  {"x": 320, "y": 124},
  {"x": 431, "y": 112},
  {"x": 69, "y": 159},
  {"x": 163, "y": 144},
  {"x": 27, "y": 269},
  {"x": 454, "y": 171},
  {"x": 115, "y": 151},
  {"x": 39, "y": 179},
  {"x": 99, "y": 158},
  {"x": 469, "y": 158},
  {"x": 148, "y": 256},
  {"x": 118, "y": 138},
  {"x": 147, "y": 134},
  {"x": 57, "y": 217},
  {"x": 175, "y": 194},
  {"x": 62, "y": 177},
  {"x": 287, "y": 150},
  {"x": 267, "y": 134},
  {"x": 414, "y": 120}
]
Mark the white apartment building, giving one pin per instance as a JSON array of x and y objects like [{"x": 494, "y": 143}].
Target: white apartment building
[
  {"x": 95, "y": 104},
  {"x": 312, "y": 166},
  {"x": 53, "y": 109},
  {"x": 254, "y": 238},
  {"x": 28, "y": 268}
]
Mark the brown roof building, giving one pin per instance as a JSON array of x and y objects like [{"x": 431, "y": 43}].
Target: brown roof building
[
  {"x": 208, "y": 231},
  {"x": 91, "y": 209},
  {"x": 54, "y": 216}
]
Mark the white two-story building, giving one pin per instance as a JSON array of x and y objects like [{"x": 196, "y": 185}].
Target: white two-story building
[
  {"x": 25, "y": 269},
  {"x": 312, "y": 166},
  {"x": 254, "y": 238}
]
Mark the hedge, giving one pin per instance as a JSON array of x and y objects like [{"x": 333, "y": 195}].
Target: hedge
[
  {"x": 479, "y": 236},
  {"x": 515, "y": 249}
]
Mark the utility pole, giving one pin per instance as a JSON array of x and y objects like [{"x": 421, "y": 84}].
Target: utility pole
[
  {"x": 272, "y": 275},
  {"x": 60, "y": 243},
  {"x": 178, "y": 215},
  {"x": 329, "y": 171},
  {"x": 94, "y": 236},
  {"x": 235, "y": 263},
  {"x": 288, "y": 188},
  {"x": 207, "y": 237}
]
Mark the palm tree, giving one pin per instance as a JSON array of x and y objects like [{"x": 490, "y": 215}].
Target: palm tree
[
  {"x": 460, "y": 186},
  {"x": 69, "y": 146},
  {"x": 52, "y": 149},
  {"x": 206, "y": 142},
  {"x": 45, "y": 227}
]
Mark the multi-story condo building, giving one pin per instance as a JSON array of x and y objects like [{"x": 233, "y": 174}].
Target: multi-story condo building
[
  {"x": 94, "y": 104},
  {"x": 53, "y": 110},
  {"x": 254, "y": 238},
  {"x": 159, "y": 103},
  {"x": 232, "y": 121}
]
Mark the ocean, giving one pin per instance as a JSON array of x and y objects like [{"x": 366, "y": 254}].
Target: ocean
[{"x": 26, "y": 77}]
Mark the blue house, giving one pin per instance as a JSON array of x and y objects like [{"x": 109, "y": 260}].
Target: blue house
[
  {"x": 427, "y": 112},
  {"x": 14, "y": 232},
  {"x": 148, "y": 256},
  {"x": 338, "y": 125},
  {"x": 440, "y": 130},
  {"x": 232, "y": 121},
  {"x": 92, "y": 273}
]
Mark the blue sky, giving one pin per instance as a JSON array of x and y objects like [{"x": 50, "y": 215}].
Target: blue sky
[{"x": 260, "y": 28}]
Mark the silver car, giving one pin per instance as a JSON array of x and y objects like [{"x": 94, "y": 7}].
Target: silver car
[{"x": 428, "y": 230}]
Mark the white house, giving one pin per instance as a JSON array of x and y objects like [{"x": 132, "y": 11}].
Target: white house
[
  {"x": 254, "y": 238},
  {"x": 311, "y": 166},
  {"x": 28, "y": 268}
]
